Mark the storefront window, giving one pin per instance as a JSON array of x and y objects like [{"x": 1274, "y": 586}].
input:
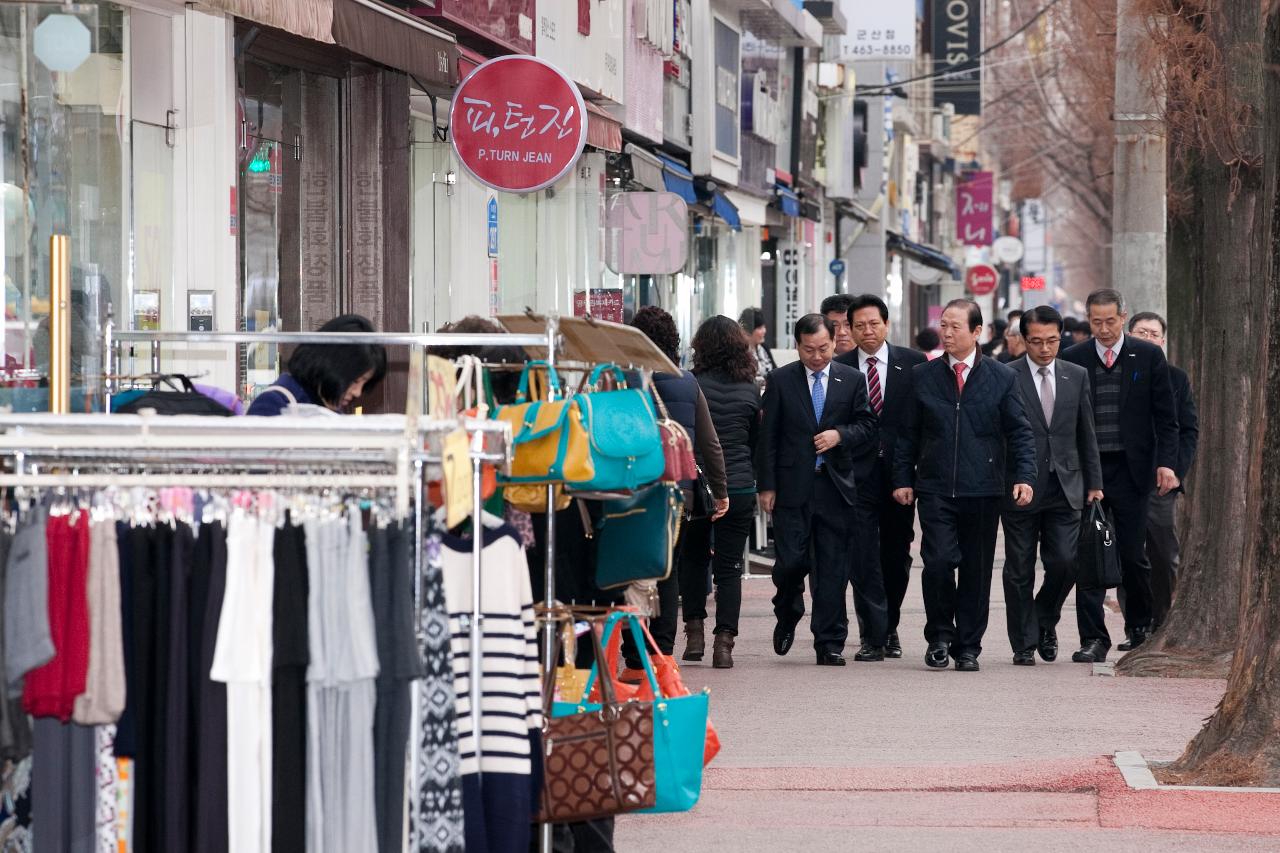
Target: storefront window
[{"x": 62, "y": 172}]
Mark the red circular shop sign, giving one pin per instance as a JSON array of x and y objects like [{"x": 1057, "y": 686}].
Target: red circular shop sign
[
  {"x": 981, "y": 279},
  {"x": 518, "y": 124}
]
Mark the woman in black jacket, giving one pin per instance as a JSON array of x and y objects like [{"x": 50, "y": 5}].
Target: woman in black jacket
[{"x": 725, "y": 368}]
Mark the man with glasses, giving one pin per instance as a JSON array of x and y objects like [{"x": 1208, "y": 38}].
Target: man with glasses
[
  {"x": 1163, "y": 547},
  {"x": 1136, "y": 424},
  {"x": 1058, "y": 404}
]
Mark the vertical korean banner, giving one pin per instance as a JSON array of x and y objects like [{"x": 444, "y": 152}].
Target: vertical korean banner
[
  {"x": 975, "y": 197},
  {"x": 790, "y": 291}
]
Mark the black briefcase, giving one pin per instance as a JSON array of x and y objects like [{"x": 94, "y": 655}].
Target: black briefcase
[{"x": 1097, "y": 555}]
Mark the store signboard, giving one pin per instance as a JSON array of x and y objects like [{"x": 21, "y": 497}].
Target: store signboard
[
  {"x": 518, "y": 124},
  {"x": 957, "y": 41},
  {"x": 790, "y": 297},
  {"x": 646, "y": 233},
  {"x": 975, "y": 203},
  {"x": 602, "y": 303},
  {"x": 492, "y": 219},
  {"x": 981, "y": 279},
  {"x": 885, "y": 29}
]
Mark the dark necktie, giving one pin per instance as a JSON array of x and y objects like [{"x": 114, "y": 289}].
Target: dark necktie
[{"x": 873, "y": 386}]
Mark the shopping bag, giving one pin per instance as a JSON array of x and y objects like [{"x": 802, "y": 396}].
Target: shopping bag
[{"x": 1097, "y": 555}]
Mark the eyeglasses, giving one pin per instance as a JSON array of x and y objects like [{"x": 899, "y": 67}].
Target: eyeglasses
[{"x": 1043, "y": 342}]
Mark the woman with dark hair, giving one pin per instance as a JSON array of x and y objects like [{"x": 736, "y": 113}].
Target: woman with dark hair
[
  {"x": 726, "y": 371},
  {"x": 683, "y": 399},
  {"x": 753, "y": 323},
  {"x": 334, "y": 376}
]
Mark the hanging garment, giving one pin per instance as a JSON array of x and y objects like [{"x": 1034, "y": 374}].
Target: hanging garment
[
  {"x": 27, "y": 641},
  {"x": 210, "y": 820},
  {"x": 107, "y": 784},
  {"x": 64, "y": 787},
  {"x": 437, "y": 788},
  {"x": 242, "y": 660},
  {"x": 341, "y": 695},
  {"x": 178, "y": 744},
  {"x": 15, "y": 728},
  {"x": 289, "y": 692},
  {"x": 499, "y": 808},
  {"x": 104, "y": 694},
  {"x": 51, "y": 690},
  {"x": 391, "y": 585}
]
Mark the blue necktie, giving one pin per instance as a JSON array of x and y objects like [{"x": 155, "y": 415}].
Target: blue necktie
[{"x": 819, "y": 400}]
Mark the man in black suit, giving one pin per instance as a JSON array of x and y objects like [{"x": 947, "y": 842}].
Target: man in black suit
[
  {"x": 1163, "y": 547},
  {"x": 964, "y": 419},
  {"x": 1056, "y": 397},
  {"x": 815, "y": 420},
  {"x": 885, "y": 528},
  {"x": 1137, "y": 428}
]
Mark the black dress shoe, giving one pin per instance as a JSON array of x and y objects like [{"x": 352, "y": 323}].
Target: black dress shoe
[
  {"x": 1135, "y": 639},
  {"x": 967, "y": 663},
  {"x": 830, "y": 659},
  {"x": 893, "y": 648},
  {"x": 783, "y": 637},
  {"x": 1048, "y": 646},
  {"x": 938, "y": 656},
  {"x": 869, "y": 653},
  {"x": 1027, "y": 658},
  {"x": 1094, "y": 651}
]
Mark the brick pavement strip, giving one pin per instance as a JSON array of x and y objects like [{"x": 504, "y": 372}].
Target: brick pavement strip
[{"x": 893, "y": 756}]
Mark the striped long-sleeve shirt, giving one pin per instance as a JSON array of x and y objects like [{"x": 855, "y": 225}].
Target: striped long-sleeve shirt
[{"x": 511, "y": 703}]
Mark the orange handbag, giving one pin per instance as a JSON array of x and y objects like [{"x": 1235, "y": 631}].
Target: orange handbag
[{"x": 669, "y": 682}]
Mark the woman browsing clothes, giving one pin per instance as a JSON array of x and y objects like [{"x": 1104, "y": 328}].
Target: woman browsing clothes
[{"x": 330, "y": 376}]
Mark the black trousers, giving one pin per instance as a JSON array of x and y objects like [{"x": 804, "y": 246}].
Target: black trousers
[
  {"x": 1054, "y": 526},
  {"x": 694, "y": 537},
  {"x": 1128, "y": 503},
  {"x": 722, "y": 543},
  {"x": 881, "y": 569},
  {"x": 1163, "y": 552},
  {"x": 812, "y": 540},
  {"x": 959, "y": 539}
]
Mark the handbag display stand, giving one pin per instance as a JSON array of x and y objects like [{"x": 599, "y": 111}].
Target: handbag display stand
[{"x": 584, "y": 343}]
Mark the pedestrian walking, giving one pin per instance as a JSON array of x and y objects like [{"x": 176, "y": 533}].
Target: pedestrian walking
[
  {"x": 1137, "y": 428},
  {"x": 1055, "y": 395},
  {"x": 836, "y": 309},
  {"x": 1014, "y": 346},
  {"x": 753, "y": 323},
  {"x": 885, "y": 528},
  {"x": 816, "y": 420},
  {"x": 726, "y": 370},
  {"x": 1163, "y": 546},
  {"x": 929, "y": 343},
  {"x": 964, "y": 421}
]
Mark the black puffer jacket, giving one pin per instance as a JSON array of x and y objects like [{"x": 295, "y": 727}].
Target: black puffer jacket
[{"x": 735, "y": 410}]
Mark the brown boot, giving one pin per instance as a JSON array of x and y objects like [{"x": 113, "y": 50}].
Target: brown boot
[
  {"x": 722, "y": 652},
  {"x": 695, "y": 640}
]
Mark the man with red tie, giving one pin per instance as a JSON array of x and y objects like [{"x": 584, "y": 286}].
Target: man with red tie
[
  {"x": 885, "y": 528},
  {"x": 964, "y": 417}
]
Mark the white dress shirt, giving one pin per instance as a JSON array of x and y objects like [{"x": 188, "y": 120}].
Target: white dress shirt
[
  {"x": 1102, "y": 351},
  {"x": 1038, "y": 381},
  {"x": 882, "y": 366},
  {"x": 825, "y": 374},
  {"x": 952, "y": 361}
]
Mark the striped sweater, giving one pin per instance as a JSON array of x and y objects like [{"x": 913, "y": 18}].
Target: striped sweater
[{"x": 511, "y": 703}]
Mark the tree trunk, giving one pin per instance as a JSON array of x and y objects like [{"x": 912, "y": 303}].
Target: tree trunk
[
  {"x": 1240, "y": 745},
  {"x": 1228, "y": 257}
]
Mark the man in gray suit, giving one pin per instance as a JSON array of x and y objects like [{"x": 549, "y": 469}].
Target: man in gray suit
[{"x": 1056, "y": 397}]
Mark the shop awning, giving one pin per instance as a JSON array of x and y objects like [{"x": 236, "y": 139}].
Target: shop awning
[
  {"x": 752, "y": 210},
  {"x": 646, "y": 169},
  {"x": 724, "y": 208},
  {"x": 788, "y": 201},
  {"x": 603, "y": 130},
  {"x": 370, "y": 28},
  {"x": 927, "y": 255},
  {"x": 678, "y": 180}
]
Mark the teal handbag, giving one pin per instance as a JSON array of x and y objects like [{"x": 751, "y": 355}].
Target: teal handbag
[
  {"x": 636, "y": 536},
  {"x": 679, "y": 728},
  {"x": 626, "y": 444}
]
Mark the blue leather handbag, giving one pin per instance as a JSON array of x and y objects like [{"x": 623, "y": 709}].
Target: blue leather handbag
[
  {"x": 636, "y": 536},
  {"x": 679, "y": 728},
  {"x": 626, "y": 444}
]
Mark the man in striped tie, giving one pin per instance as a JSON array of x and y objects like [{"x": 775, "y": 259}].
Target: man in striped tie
[{"x": 885, "y": 528}]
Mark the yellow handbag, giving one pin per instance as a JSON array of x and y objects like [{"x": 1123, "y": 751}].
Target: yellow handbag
[{"x": 550, "y": 443}]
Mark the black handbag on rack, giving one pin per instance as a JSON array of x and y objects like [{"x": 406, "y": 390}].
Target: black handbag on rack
[{"x": 179, "y": 398}]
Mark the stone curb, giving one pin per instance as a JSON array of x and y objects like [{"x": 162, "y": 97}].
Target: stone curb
[{"x": 1138, "y": 776}]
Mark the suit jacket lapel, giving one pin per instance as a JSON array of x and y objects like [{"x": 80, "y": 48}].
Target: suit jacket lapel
[
  {"x": 806, "y": 397},
  {"x": 892, "y": 385},
  {"x": 1029, "y": 391},
  {"x": 1066, "y": 399},
  {"x": 835, "y": 395},
  {"x": 1127, "y": 366}
]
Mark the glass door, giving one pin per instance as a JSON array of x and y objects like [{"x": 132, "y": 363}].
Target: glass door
[{"x": 62, "y": 172}]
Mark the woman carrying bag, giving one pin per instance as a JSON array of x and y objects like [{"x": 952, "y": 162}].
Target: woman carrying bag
[{"x": 726, "y": 371}]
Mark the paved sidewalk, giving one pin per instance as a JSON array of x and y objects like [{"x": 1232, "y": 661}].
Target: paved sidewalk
[{"x": 894, "y": 756}]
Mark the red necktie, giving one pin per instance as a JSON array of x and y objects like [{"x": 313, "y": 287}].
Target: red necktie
[
  {"x": 873, "y": 386},
  {"x": 1111, "y": 359},
  {"x": 960, "y": 369}
]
